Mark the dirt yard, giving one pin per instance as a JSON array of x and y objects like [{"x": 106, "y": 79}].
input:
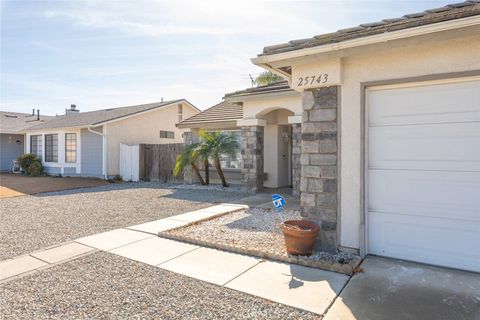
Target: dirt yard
[{"x": 14, "y": 185}]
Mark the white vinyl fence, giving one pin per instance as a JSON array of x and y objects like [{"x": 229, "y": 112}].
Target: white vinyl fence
[{"x": 129, "y": 162}]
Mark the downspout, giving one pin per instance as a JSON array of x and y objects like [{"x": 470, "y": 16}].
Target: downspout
[{"x": 104, "y": 148}]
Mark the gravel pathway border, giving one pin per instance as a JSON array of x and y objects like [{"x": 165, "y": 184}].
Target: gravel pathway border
[{"x": 320, "y": 260}]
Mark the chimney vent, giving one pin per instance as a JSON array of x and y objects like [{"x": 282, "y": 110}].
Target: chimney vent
[
  {"x": 73, "y": 109},
  {"x": 33, "y": 112},
  {"x": 38, "y": 114}
]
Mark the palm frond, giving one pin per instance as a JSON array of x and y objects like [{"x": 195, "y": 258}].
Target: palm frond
[{"x": 267, "y": 77}]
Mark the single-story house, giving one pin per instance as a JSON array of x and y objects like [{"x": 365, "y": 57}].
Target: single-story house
[
  {"x": 279, "y": 109},
  {"x": 390, "y": 134},
  {"x": 88, "y": 143},
  {"x": 12, "y": 135},
  {"x": 386, "y": 125},
  {"x": 220, "y": 117}
]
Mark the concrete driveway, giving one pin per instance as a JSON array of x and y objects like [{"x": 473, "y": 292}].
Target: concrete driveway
[{"x": 392, "y": 289}]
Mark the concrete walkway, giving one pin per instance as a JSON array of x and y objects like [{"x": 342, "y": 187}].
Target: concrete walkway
[
  {"x": 297, "y": 286},
  {"x": 387, "y": 289}
]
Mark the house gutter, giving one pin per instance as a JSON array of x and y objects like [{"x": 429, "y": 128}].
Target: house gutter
[
  {"x": 104, "y": 148},
  {"x": 266, "y": 61}
]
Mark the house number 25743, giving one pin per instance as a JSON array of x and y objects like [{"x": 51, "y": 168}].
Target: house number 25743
[{"x": 309, "y": 80}]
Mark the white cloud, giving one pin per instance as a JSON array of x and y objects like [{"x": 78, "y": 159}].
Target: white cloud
[{"x": 159, "y": 18}]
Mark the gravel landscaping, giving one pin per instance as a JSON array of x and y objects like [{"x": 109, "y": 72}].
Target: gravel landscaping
[
  {"x": 258, "y": 232},
  {"x": 106, "y": 286},
  {"x": 30, "y": 223}
]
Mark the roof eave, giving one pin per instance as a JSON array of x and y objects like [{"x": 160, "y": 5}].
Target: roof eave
[
  {"x": 197, "y": 125},
  {"x": 260, "y": 95},
  {"x": 57, "y": 128},
  {"x": 101, "y": 123},
  {"x": 267, "y": 60}
]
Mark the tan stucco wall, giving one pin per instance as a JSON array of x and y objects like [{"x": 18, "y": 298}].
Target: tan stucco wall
[
  {"x": 255, "y": 107},
  {"x": 452, "y": 51},
  {"x": 144, "y": 128}
]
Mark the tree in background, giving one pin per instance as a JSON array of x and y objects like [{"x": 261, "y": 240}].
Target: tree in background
[
  {"x": 267, "y": 77},
  {"x": 216, "y": 144},
  {"x": 211, "y": 146},
  {"x": 188, "y": 157}
]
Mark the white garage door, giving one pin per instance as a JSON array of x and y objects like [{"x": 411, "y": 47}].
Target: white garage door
[{"x": 423, "y": 181}]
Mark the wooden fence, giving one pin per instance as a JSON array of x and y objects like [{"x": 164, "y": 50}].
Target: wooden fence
[{"x": 158, "y": 160}]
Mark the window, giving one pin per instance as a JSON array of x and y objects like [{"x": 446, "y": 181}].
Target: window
[
  {"x": 227, "y": 161},
  {"x": 36, "y": 145},
  {"x": 167, "y": 134},
  {"x": 70, "y": 147},
  {"x": 51, "y": 148}
]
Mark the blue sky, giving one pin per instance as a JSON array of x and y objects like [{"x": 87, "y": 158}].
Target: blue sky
[{"x": 99, "y": 54}]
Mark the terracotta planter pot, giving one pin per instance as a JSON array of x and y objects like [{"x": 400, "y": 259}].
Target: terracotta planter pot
[{"x": 300, "y": 236}]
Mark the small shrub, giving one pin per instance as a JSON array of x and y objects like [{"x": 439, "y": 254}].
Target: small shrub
[
  {"x": 26, "y": 161},
  {"x": 35, "y": 169}
]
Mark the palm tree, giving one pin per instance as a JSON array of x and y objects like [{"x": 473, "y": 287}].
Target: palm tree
[
  {"x": 218, "y": 143},
  {"x": 267, "y": 77},
  {"x": 202, "y": 151},
  {"x": 188, "y": 156}
]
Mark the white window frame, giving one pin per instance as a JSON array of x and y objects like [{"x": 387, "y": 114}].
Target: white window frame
[
  {"x": 61, "y": 148},
  {"x": 76, "y": 147}
]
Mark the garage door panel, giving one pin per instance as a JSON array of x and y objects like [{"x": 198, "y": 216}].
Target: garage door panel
[
  {"x": 453, "y": 195},
  {"x": 425, "y": 104},
  {"x": 429, "y": 147},
  {"x": 423, "y": 180},
  {"x": 429, "y": 240}
]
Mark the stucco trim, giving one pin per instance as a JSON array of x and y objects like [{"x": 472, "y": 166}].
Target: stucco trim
[
  {"x": 216, "y": 124},
  {"x": 295, "y": 119},
  {"x": 251, "y": 122},
  {"x": 410, "y": 81},
  {"x": 260, "y": 95}
]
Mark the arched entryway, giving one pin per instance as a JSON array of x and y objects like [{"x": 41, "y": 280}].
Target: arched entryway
[{"x": 277, "y": 148}]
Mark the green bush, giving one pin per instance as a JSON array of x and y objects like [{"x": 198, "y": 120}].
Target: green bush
[
  {"x": 30, "y": 164},
  {"x": 35, "y": 169}
]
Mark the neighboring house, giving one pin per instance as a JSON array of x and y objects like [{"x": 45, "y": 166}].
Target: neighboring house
[
  {"x": 12, "y": 135},
  {"x": 88, "y": 143},
  {"x": 390, "y": 134},
  {"x": 386, "y": 129}
]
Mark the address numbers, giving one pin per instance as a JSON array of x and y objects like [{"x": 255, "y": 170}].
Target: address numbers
[{"x": 314, "y": 79}]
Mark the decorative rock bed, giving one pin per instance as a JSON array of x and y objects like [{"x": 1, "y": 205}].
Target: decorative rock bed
[{"x": 258, "y": 232}]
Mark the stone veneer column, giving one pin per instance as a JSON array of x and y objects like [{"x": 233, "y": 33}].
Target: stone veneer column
[
  {"x": 296, "y": 154},
  {"x": 252, "y": 158},
  {"x": 319, "y": 162}
]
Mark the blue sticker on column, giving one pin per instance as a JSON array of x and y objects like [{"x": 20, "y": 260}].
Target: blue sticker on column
[{"x": 278, "y": 202}]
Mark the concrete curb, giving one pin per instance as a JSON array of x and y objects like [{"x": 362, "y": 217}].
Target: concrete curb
[{"x": 347, "y": 268}]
